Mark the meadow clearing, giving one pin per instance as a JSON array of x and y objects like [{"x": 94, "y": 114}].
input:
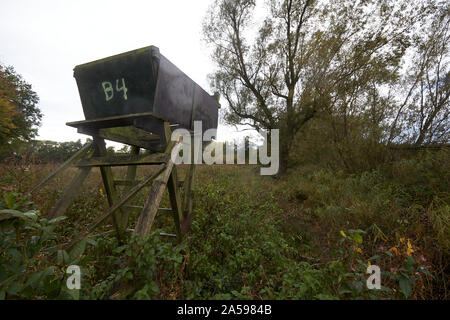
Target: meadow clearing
[{"x": 308, "y": 235}]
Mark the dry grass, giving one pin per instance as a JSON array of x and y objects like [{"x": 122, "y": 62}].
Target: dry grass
[{"x": 310, "y": 206}]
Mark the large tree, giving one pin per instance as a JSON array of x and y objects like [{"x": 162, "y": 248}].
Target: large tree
[
  {"x": 19, "y": 112},
  {"x": 423, "y": 113},
  {"x": 306, "y": 57}
]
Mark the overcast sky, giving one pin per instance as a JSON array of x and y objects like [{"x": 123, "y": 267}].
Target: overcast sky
[{"x": 44, "y": 40}]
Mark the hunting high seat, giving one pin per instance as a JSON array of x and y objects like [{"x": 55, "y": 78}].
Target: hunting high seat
[{"x": 135, "y": 98}]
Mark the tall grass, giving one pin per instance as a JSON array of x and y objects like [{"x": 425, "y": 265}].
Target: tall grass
[{"x": 308, "y": 235}]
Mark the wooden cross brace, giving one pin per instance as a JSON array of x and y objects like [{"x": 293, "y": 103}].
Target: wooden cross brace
[{"x": 164, "y": 174}]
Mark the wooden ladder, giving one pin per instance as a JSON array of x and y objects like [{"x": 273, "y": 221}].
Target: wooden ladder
[{"x": 164, "y": 174}]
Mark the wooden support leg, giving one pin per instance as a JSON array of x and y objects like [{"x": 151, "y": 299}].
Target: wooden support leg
[
  {"x": 69, "y": 193},
  {"x": 131, "y": 176},
  {"x": 148, "y": 214},
  {"x": 108, "y": 182},
  {"x": 187, "y": 196},
  {"x": 173, "y": 187},
  {"x": 175, "y": 201},
  {"x": 188, "y": 185},
  {"x": 145, "y": 220},
  {"x": 87, "y": 148},
  {"x": 101, "y": 219}
]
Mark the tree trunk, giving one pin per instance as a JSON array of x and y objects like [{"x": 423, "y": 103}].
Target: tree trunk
[{"x": 284, "y": 157}]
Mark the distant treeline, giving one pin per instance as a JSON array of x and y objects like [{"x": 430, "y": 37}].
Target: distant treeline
[
  {"x": 46, "y": 151},
  {"x": 52, "y": 151}
]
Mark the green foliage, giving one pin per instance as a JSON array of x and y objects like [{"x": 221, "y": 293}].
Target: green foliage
[
  {"x": 20, "y": 276},
  {"x": 339, "y": 61},
  {"x": 239, "y": 254},
  {"x": 310, "y": 235},
  {"x": 151, "y": 266},
  {"x": 396, "y": 284},
  {"x": 20, "y": 115},
  {"x": 15, "y": 201},
  {"x": 27, "y": 265},
  {"x": 339, "y": 94},
  {"x": 52, "y": 151},
  {"x": 402, "y": 206}
]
